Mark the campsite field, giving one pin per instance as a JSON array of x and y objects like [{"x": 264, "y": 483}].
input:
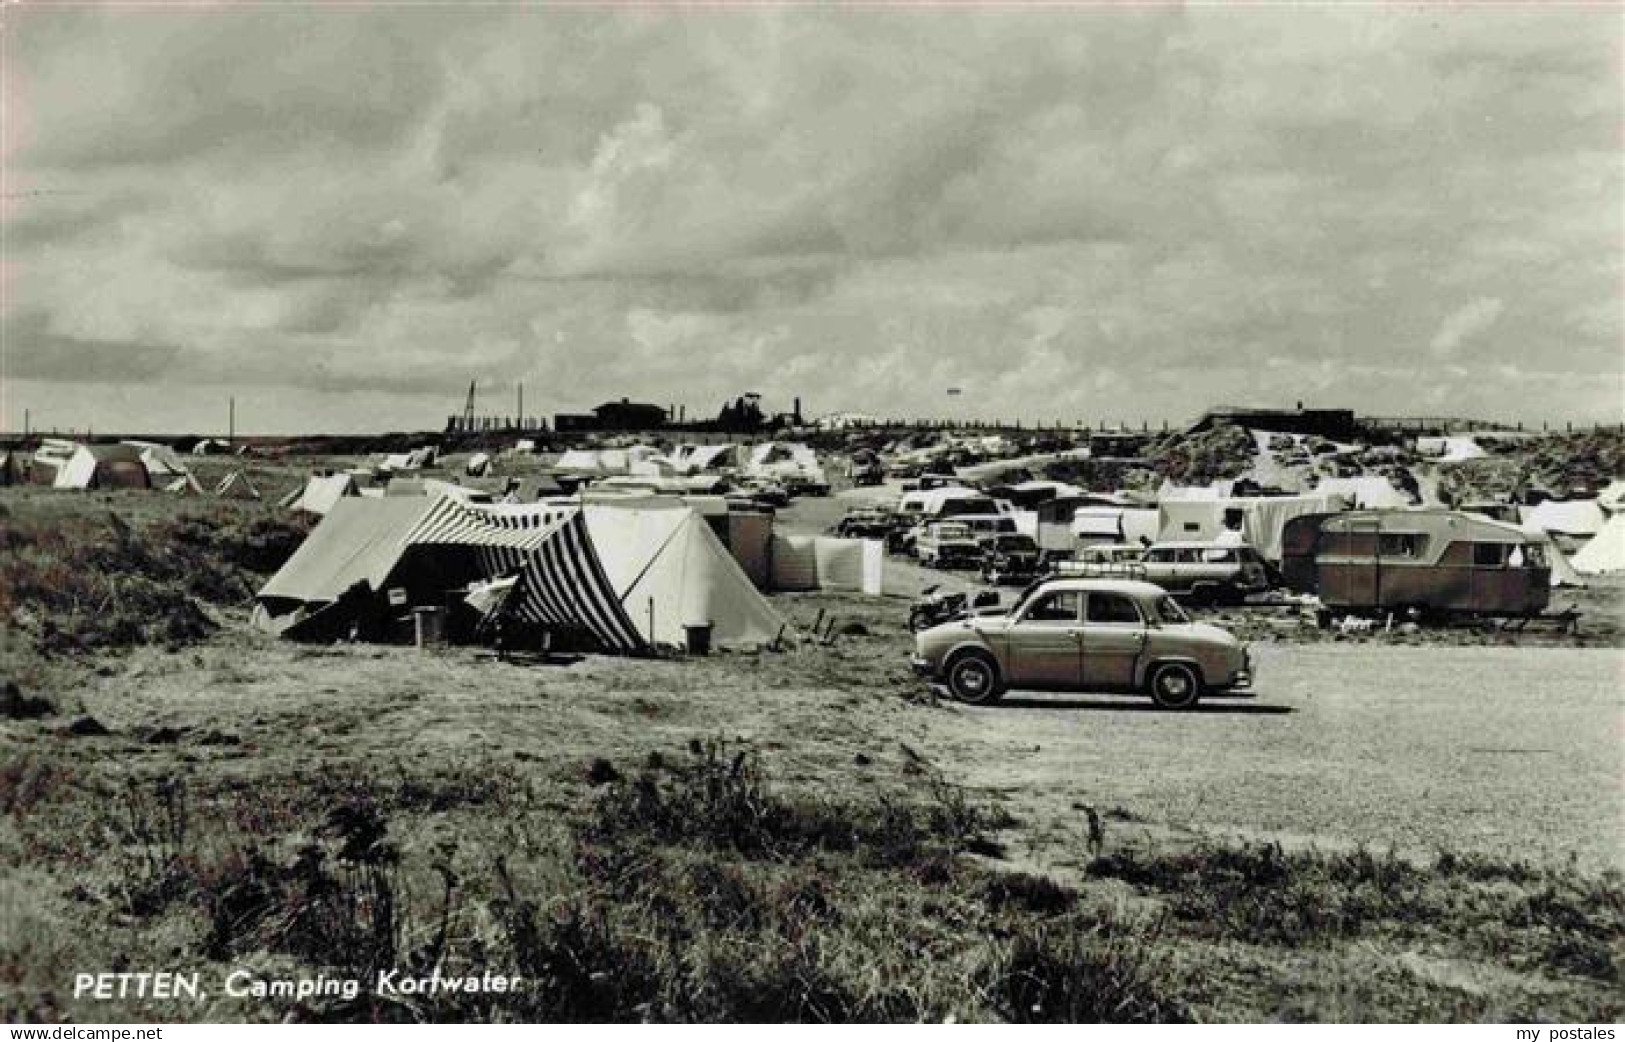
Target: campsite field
[{"x": 1394, "y": 829}]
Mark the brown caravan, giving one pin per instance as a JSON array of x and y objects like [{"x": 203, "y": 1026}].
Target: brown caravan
[{"x": 1437, "y": 561}]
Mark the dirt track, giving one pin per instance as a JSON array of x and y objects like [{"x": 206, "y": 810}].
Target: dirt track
[{"x": 1515, "y": 751}]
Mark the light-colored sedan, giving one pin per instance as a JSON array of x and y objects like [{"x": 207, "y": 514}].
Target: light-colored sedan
[{"x": 1086, "y": 635}]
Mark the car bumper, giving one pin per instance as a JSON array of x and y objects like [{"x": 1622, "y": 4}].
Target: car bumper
[{"x": 923, "y": 667}]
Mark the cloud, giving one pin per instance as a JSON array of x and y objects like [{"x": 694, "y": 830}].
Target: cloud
[
  {"x": 1067, "y": 213},
  {"x": 1467, "y": 322}
]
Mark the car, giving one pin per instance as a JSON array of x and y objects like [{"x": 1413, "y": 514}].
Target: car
[
  {"x": 1205, "y": 572},
  {"x": 947, "y": 544},
  {"x": 1085, "y": 635},
  {"x": 865, "y": 523},
  {"x": 1009, "y": 557}
]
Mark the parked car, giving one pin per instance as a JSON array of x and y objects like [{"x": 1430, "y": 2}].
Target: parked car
[
  {"x": 1204, "y": 572},
  {"x": 1085, "y": 635},
  {"x": 947, "y": 544},
  {"x": 1009, "y": 558},
  {"x": 866, "y": 523}
]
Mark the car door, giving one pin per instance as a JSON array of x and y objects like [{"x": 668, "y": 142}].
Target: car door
[
  {"x": 1046, "y": 642},
  {"x": 1113, "y": 639}
]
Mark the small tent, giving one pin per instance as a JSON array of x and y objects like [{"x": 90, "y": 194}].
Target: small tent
[
  {"x": 1605, "y": 553},
  {"x": 321, "y": 493},
  {"x": 184, "y": 485},
  {"x": 160, "y": 460},
  {"x": 670, "y": 571},
  {"x": 1574, "y": 518},
  {"x": 236, "y": 485}
]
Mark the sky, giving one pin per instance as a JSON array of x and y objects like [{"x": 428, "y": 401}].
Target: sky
[{"x": 339, "y": 216}]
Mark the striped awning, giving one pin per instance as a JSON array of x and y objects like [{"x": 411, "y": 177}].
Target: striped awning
[{"x": 562, "y": 584}]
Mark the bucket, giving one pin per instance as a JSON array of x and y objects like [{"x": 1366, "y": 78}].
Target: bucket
[
  {"x": 698, "y": 635},
  {"x": 430, "y": 626}
]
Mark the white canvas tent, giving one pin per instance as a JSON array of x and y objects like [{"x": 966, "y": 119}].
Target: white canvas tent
[
  {"x": 160, "y": 460},
  {"x": 670, "y": 571},
  {"x": 1576, "y": 518},
  {"x": 321, "y": 493},
  {"x": 1605, "y": 553},
  {"x": 1372, "y": 492},
  {"x": 236, "y": 486}
]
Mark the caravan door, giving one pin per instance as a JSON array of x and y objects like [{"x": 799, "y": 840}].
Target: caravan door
[{"x": 1350, "y": 570}]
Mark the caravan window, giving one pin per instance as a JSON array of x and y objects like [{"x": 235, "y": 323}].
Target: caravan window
[
  {"x": 1219, "y": 555},
  {"x": 1534, "y": 556},
  {"x": 1401, "y": 544},
  {"x": 1489, "y": 555},
  {"x": 1233, "y": 518}
]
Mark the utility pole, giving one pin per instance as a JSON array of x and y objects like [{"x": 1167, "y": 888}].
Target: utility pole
[
  {"x": 468, "y": 409},
  {"x": 521, "y": 421},
  {"x": 231, "y": 419}
]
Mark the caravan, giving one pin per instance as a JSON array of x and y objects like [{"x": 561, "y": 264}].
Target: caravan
[{"x": 1433, "y": 561}]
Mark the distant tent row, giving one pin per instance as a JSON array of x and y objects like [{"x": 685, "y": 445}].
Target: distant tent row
[{"x": 67, "y": 464}]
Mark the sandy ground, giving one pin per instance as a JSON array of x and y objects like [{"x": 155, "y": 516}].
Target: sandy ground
[{"x": 1514, "y": 752}]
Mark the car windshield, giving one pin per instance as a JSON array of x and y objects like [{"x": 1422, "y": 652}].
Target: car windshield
[{"x": 1169, "y": 611}]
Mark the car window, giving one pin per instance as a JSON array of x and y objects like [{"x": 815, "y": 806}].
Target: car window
[
  {"x": 1169, "y": 611},
  {"x": 1189, "y": 556},
  {"x": 1489, "y": 555},
  {"x": 1113, "y": 608},
  {"x": 1159, "y": 556},
  {"x": 1055, "y": 608}
]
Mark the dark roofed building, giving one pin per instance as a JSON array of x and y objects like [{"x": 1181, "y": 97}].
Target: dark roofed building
[
  {"x": 1333, "y": 424},
  {"x": 627, "y": 415}
]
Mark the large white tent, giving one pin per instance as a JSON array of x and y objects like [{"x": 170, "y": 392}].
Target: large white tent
[
  {"x": 1605, "y": 553},
  {"x": 670, "y": 571}
]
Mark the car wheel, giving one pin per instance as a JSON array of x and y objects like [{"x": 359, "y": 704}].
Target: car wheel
[
  {"x": 1175, "y": 686},
  {"x": 974, "y": 679}
]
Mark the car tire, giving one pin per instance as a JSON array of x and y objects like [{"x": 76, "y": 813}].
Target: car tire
[
  {"x": 1175, "y": 685},
  {"x": 974, "y": 679}
]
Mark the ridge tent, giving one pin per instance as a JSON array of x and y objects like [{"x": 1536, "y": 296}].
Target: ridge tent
[
  {"x": 320, "y": 494},
  {"x": 670, "y": 571},
  {"x": 478, "y": 465},
  {"x": 209, "y": 446},
  {"x": 236, "y": 485},
  {"x": 1605, "y": 553},
  {"x": 1364, "y": 493},
  {"x": 160, "y": 460},
  {"x": 186, "y": 485},
  {"x": 1575, "y": 518}
]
